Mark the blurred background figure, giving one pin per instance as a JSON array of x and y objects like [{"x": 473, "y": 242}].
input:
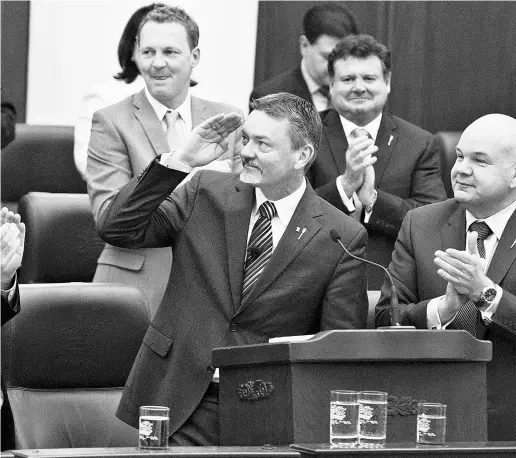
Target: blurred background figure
[
  {"x": 12, "y": 244},
  {"x": 324, "y": 25},
  {"x": 8, "y": 123}
]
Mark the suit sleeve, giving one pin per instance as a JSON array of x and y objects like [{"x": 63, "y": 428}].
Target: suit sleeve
[
  {"x": 403, "y": 269},
  {"x": 345, "y": 304},
  {"x": 11, "y": 306},
  {"x": 426, "y": 187},
  {"x": 108, "y": 166},
  {"x": 144, "y": 214},
  {"x": 505, "y": 315}
]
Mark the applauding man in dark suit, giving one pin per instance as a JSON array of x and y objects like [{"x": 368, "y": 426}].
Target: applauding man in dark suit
[
  {"x": 372, "y": 165},
  {"x": 253, "y": 258}
]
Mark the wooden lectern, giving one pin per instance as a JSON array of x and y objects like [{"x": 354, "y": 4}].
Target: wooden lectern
[{"x": 279, "y": 393}]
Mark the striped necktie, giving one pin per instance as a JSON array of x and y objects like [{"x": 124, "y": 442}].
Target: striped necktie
[
  {"x": 468, "y": 314},
  {"x": 259, "y": 247}
]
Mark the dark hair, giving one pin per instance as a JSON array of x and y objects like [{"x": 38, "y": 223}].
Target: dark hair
[
  {"x": 331, "y": 19},
  {"x": 165, "y": 13},
  {"x": 359, "y": 46},
  {"x": 128, "y": 41},
  {"x": 304, "y": 121}
]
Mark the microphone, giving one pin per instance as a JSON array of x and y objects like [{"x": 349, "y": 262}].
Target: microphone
[{"x": 394, "y": 295}]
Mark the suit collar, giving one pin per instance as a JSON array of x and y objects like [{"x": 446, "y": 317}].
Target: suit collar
[
  {"x": 300, "y": 88},
  {"x": 150, "y": 123},
  {"x": 387, "y": 142},
  {"x": 505, "y": 253},
  {"x": 290, "y": 245},
  {"x": 453, "y": 233},
  {"x": 336, "y": 138}
]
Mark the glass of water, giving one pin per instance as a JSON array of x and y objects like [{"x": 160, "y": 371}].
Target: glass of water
[
  {"x": 373, "y": 418},
  {"x": 154, "y": 425},
  {"x": 431, "y": 423},
  {"x": 344, "y": 418}
]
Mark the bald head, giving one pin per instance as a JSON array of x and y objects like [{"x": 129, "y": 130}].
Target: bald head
[{"x": 484, "y": 175}]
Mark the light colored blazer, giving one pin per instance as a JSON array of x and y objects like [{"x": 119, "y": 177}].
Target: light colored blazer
[{"x": 125, "y": 137}]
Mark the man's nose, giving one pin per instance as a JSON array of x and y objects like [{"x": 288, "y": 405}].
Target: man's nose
[
  {"x": 359, "y": 85},
  {"x": 158, "y": 61}
]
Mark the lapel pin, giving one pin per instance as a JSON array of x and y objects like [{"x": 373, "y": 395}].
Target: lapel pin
[
  {"x": 513, "y": 243},
  {"x": 302, "y": 232},
  {"x": 391, "y": 138}
]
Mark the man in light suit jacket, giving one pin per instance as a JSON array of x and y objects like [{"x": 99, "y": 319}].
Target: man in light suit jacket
[
  {"x": 443, "y": 259},
  {"x": 324, "y": 25},
  {"x": 232, "y": 284},
  {"x": 372, "y": 165},
  {"x": 126, "y": 136}
]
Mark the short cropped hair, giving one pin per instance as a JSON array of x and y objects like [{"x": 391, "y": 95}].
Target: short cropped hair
[
  {"x": 331, "y": 19},
  {"x": 164, "y": 14},
  {"x": 360, "y": 46},
  {"x": 127, "y": 43},
  {"x": 305, "y": 125}
]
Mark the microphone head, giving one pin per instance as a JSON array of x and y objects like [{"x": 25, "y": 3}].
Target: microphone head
[{"x": 334, "y": 235}]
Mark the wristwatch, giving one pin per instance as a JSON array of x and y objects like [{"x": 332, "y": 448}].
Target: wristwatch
[{"x": 487, "y": 296}]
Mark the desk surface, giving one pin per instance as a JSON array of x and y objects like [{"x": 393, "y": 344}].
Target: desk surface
[
  {"x": 264, "y": 451},
  {"x": 452, "y": 449}
]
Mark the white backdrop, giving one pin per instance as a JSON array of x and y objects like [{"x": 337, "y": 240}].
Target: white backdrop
[{"x": 73, "y": 45}]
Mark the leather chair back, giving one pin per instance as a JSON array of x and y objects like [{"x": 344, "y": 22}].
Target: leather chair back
[
  {"x": 62, "y": 243},
  {"x": 448, "y": 141},
  {"x": 65, "y": 359},
  {"x": 39, "y": 159}
]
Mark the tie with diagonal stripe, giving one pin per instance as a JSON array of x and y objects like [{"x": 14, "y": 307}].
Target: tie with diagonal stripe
[
  {"x": 467, "y": 315},
  {"x": 259, "y": 247}
]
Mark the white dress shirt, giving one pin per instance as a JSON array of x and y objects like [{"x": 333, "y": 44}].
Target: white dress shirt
[
  {"x": 497, "y": 223},
  {"x": 372, "y": 129}
]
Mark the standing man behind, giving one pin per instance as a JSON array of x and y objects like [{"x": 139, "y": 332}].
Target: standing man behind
[
  {"x": 455, "y": 261},
  {"x": 372, "y": 165},
  {"x": 126, "y": 136},
  {"x": 324, "y": 25},
  {"x": 253, "y": 259}
]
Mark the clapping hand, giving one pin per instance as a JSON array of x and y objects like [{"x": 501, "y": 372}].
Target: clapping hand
[
  {"x": 359, "y": 156},
  {"x": 208, "y": 141},
  {"x": 12, "y": 245}
]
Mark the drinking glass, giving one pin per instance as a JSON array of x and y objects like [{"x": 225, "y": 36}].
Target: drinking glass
[
  {"x": 344, "y": 418},
  {"x": 431, "y": 423},
  {"x": 373, "y": 418},
  {"x": 154, "y": 425}
]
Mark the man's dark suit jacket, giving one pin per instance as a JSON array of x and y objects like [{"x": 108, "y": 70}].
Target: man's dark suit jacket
[
  {"x": 407, "y": 175},
  {"x": 438, "y": 227},
  {"x": 9, "y": 310},
  {"x": 291, "y": 81},
  {"x": 307, "y": 286}
]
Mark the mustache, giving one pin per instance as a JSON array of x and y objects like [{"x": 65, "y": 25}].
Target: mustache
[{"x": 250, "y": 163}]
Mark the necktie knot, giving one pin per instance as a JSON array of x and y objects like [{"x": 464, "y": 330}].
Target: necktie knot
[
  {"x": 170, "y": 118},
  {"x": 481, "y": 228},
  {"x": 360, "y": 132},
  {"x": 267, "y": 210}
]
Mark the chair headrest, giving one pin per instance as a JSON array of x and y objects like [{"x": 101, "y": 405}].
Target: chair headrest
[{"x": 74, "y": 335}]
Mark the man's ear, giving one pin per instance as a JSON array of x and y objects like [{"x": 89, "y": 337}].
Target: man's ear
[
  {"x": 304, "y": 157},
  {"x": 303, "y": 45}
]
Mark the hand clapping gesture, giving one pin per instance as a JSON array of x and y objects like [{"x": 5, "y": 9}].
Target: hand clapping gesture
[{"x": 12, "y": 244}]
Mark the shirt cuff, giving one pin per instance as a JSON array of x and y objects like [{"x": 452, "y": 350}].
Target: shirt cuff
[
  {"x": 348, "y": 203},
  {"x": 487, "y": 312},
  {"x": 7, "y": 294},
  {"x": 168, "y": 160},
  {"x": 433, "y": 319}
]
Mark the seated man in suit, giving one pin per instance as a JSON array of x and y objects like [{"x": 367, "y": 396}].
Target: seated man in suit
[
  {"x": 253, "y": 258},
  {"x": 12, "y": 241},
  {"x": 126, "y": 136},
  {"x": 372, "y": 165},
  {"x": 454, "y": 261},
  {"x": 324, "y": 25}
]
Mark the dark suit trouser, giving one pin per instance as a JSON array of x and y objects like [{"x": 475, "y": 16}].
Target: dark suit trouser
[{"x": 202, "y": 427}]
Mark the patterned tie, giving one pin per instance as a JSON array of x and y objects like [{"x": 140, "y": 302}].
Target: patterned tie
[
  {"x": 467, "y": 316},
  {"x": 259, "y": 247},
  {"x": 325, "y": 91},
  {"x": 175, "y": 135}
]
